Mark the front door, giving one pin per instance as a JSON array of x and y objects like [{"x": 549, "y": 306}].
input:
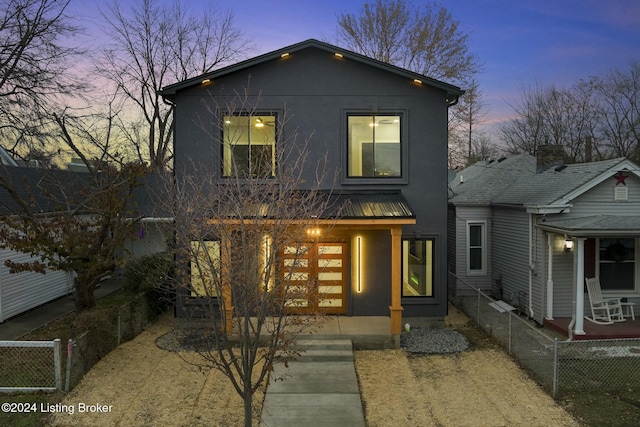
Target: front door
[{"x": 318, "y": 278}]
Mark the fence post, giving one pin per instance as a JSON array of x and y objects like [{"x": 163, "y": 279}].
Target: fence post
[
  {"x": 556, "y": 367},
  {"x": 67, "y": 379},
  {"x": 57, "y": 363},
  {"x": 119, "y": 328},
  {"x": 510, "y": 330}
]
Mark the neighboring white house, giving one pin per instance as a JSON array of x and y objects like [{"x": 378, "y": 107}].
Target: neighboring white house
[
  {"x": 530, "y": 234},
  {"x": 23, "y": 291}
]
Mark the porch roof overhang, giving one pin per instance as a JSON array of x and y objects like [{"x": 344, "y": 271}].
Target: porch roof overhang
[
  {"x": 595, "y": 225},
  {"x": 378, "y": 209}
]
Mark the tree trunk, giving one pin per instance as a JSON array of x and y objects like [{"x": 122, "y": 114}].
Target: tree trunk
[{"x": 84, "y": 287}]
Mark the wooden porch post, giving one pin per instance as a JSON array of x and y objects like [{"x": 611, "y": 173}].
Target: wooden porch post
[
  {"x": 226, "y": 287},
  {"x": 396, "y": 280}
]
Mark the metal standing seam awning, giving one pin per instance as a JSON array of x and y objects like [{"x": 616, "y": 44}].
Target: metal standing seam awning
[{"x": 580, "y": 228}]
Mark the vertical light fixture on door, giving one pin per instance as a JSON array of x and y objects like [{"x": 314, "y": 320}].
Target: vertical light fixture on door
[{"x": 359, "y": 264}]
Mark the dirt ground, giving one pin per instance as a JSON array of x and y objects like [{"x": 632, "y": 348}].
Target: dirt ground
[{"x": 147, "y": 386}]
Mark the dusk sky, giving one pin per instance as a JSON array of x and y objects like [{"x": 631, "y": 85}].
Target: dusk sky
[{"x": 520, "y": 43}]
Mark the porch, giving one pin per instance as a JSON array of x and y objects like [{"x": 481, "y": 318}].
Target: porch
[{"x": 627, "y": 329}]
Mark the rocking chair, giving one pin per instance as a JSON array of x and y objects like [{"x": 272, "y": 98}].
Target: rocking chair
[{"x": 604, "y": 311}]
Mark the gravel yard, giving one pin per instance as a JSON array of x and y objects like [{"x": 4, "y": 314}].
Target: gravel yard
[{"x": 148, "y": 386}]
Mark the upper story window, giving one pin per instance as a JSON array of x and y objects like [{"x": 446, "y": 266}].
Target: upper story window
[
  {"x": 249, "y": 148},
  {"x": 374, "y": 148}
]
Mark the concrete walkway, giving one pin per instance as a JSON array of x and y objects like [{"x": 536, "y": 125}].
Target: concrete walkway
[{"x": 320, "y": 388}]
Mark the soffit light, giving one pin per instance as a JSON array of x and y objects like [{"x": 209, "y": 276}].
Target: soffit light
[
  {"x": 284, "y": 55},
  {"x": 338, "y": 55}
]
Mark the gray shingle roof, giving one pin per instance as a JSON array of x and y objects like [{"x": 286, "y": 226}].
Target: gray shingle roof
[
  {"x": 588, "y": 225},
  {"x": 514, "y": 181}
]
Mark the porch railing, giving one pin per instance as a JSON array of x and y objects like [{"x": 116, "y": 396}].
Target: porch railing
[{"x": 559, "y": 366}]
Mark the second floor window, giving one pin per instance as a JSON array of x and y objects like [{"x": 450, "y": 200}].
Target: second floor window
[
  {"x": 374, "y": 146},
  {"x": 249, "y": 146}
]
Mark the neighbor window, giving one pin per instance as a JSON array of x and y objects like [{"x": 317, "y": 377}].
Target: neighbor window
[
  {"x": 374, "y": 146},
  {"x": 476, "y": 248},
  {"x": 417, "y": 267},
  {"x": 617, "y": 264},
  {"x": 205, "y": 268},
  {"x": 249, "y": 148}
]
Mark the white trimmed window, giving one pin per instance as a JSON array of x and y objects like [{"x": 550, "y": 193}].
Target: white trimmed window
[{"x": 476, "y": 248}]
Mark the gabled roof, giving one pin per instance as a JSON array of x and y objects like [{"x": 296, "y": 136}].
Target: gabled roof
[
  {"x": 41, "y": 189},
  {"x": 514, "y": 181},
  {"x": 170, "y": 91}
]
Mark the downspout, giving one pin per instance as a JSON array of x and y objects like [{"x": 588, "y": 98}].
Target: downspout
[{"x": 531, "y": 266}]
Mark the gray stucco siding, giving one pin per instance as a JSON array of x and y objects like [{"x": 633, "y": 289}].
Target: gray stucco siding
[{"x": 313, "y": 91}]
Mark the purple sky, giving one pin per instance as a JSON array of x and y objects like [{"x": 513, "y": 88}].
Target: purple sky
[{"x": 519, "y": 42}]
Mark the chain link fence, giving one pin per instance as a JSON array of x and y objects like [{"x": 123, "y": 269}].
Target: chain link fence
[
  {"x": 37, "y": 365},
  {"x": 30, "y": 366},
  {"x": 558, "y": 365},
  {"x": 105, "y": 330}
]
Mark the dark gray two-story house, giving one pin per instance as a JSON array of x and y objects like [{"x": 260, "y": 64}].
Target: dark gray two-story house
[{"x": 384, "y": 132}]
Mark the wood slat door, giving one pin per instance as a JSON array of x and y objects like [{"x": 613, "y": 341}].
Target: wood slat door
[{"x": 318, "y": 278}]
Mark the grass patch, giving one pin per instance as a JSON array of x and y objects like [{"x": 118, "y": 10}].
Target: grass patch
[{"x": 597, "y": 408}]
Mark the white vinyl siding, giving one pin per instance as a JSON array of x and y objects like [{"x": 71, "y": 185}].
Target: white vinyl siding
[
  {"x": 463, "y": 215},
  {"x": 23, "y": 291},
  {"x": 510, "y": 250}
]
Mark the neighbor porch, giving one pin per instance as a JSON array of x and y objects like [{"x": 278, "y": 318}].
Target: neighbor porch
[{"x": 592, "y": 331}]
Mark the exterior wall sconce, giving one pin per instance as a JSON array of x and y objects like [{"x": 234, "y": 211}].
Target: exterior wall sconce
[
  {"x": 359, "y": 264},
  {"x": 314, "y": 232},
  {"x": 568, "y": 244}
]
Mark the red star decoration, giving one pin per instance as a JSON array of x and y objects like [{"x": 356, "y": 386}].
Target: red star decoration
[{"x": 620, "y": 177}]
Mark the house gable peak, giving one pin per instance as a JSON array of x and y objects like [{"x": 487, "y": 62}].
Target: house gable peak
[{"x": 286, "y": 53}]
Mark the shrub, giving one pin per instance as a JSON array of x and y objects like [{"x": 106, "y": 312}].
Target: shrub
[{"x": 150, "y": 275}]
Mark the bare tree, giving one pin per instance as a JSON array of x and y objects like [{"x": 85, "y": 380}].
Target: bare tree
[
  {"x": 74, "y": 221},
  {"x": 472, "y": 111},
  {"x": 619, "y": 94},
  {"x": 153, "y": 45},
  {"x": 243, "y": 246},
  {"x": 34, "y": 68},
  {"x": 427, "y": 41},
  {"x": 595, "y": 118}
]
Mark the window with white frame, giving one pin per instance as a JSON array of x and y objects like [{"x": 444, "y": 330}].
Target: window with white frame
[{"x": 476, "y": 248}]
